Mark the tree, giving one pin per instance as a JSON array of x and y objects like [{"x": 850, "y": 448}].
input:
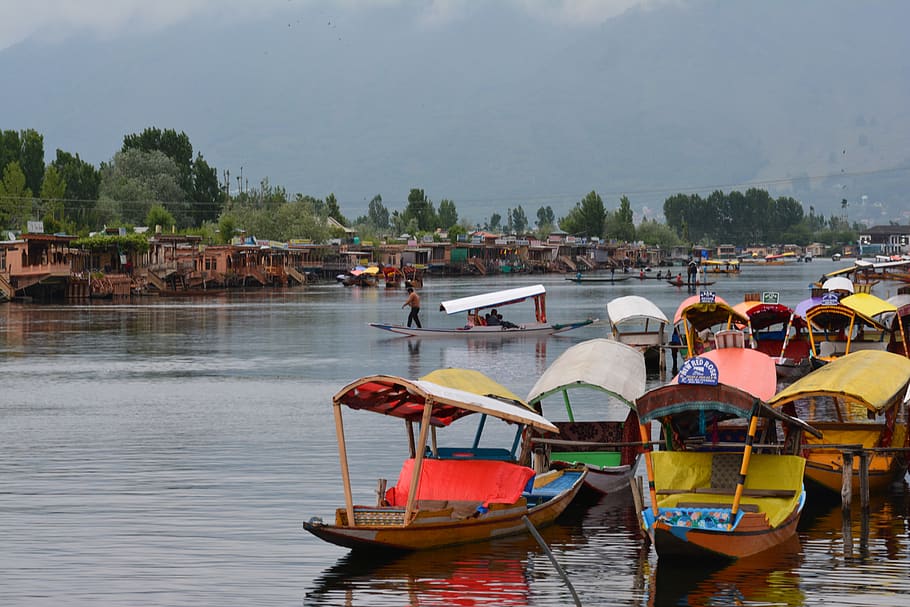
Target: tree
[
  {"x": 159, "y": 216},
  {"x": 519, "y": 220},
  {"x": 447, "y": 214},
  {"x": 53, "y": 190},
  {"x": 31, "y": 158},
  {"x": 495, "y": 220},
  {"x": 208, "y": 197},
  {"x": 10, "y": 148},
  {"x": 653, "y": 232},
  {"x": 83, "y": 183},
  {"x": 622, "y": 226},
  {"x": 378, "y": 214},
  {"x": 420, "y": 209},
  {"x": 333, "y": 210},
  {"x": 545, "y": 218},
  {"x": 587, "y": 218},
  {"x": 134, "y": 180},
  {"x": 15, "y": 197}
]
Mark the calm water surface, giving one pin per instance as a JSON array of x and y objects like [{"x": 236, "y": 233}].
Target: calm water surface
[{"x": 166, "y": 452}]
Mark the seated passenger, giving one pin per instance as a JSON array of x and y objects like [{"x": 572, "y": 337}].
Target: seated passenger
[{"x": 493, "y": 318}]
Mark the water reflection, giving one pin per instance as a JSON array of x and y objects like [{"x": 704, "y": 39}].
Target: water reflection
[{"x": 768, "y": 578}]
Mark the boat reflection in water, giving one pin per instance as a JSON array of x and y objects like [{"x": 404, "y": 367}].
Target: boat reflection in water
[
  {"x": 485, "y": 574},
  {"x": 768, "y": 578}
]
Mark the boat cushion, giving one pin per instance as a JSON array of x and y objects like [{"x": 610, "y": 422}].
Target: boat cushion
[{"x": 462, "y": 480}]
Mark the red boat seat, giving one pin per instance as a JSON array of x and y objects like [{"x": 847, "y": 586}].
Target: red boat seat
[{"x": 462, "y": 480}]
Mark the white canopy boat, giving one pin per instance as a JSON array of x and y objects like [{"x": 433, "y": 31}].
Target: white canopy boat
[
  {"x": 476, "y": 324},
  {"x": 614, "y": 376},
  {"x": 638, "y": 322}
]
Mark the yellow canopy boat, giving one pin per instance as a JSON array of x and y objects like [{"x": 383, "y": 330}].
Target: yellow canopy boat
[{"x": 859, "y": 399}]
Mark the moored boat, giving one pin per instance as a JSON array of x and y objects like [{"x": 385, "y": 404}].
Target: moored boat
[
  {"x": 698, "y": 317},
  {"x": 715, "y": 492},
  {"x": 858, "y": 399},
  {"x": 638, "y": 322},
  {"x": 779, "y": 332},
  {"x": 477, "y": 326},
  {"x": 613, "y": 375},
  {"x": 445, "y": 495}
]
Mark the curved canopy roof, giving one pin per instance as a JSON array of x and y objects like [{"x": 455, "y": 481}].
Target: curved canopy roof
[
  {"x": 406, "y": 399},
  {"x": 633, "y": 307},
  {"x": 474, "y": 382},
  {"x": 601, "y": 364},
  {"x": 745, "y": 369},
  {"x": 838, "y": 283},
  {"x": 726, "y": 402},
  {"x": 870, "y": 377},
  {"x": 704, "y": 315},
  {"x": 868, "y": 305},
  {"x": 762, "y": 315},
  {"x": 489, "y": 300}
]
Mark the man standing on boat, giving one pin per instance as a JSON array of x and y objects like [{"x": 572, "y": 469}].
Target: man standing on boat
[
  {"x": 693, "y": 272},
  {"x": 413, "y": 301}
]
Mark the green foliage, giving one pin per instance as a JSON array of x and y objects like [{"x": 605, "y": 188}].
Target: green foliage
[
  {"x": 447, "y": 214},
  {"x": 333, "y": 210},
  {"x": 377, "y": 214},
  {"x": 159, "y": 216},
  {"x": 108, "y": 242},
  {"x": 455, "y": 231},
  {"x": 495, "y": 220},
  {"x": 277, "y": 221},
  {"x": 655, "y": 233},
  {"x": 420, "y": 209},
  {"x": 134, "y": 181},
  {"x": 587, "y": 218},
  {"x": 737, "y": 218},
  {"x": 31, "y": 157},
  {"x": 518, "y": 220},
  {"x": 9, "y": 148},
  {"x": 207, "y": 195},
  {"x": 545, "y": 218},
  {"x": 83, "y": 182},
  {"x": 53, "y": 189},
  {"x": 227, "y": 228},
  {"x": 15, "y": 197},
  {"x": 621, "y": 224}
]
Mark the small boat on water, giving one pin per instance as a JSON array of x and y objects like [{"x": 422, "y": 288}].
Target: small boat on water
[
  {"x": 477, "y": 326},
  {"x": 638, "y": 322},
  {"x": 612, "y": 376},
  {"x": 445, "y": 495},
  {"x": 840, "y": 325},
  {"x": 858, "y": 399},
  {"x": 779, "y": 332},
  {"x": 699, "y": 317},
  {"x": 580, "y": 279},
  {"x": 680, "y": 282},
  {"x": 721, "y": 266},
  {"x": 726, "y": 486},
  {"x": 360, "y": 277}
]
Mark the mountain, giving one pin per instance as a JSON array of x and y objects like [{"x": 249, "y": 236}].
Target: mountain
[{"x": 499, "y": 107}]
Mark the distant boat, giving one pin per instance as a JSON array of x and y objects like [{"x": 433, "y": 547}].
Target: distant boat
[
  {"x": 684, "y": 283},
  {"x": 477, "y": 325},
  {"x": 586, "y": 279}
]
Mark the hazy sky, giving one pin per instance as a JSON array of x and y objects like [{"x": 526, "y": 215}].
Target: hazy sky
[{"x": 491, "y": 104}]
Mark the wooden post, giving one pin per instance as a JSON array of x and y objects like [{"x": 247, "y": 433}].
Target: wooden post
[
  {"x": 380, "y": 492},
  {"x": 846, "y": 493},
  {"x": 864, "y": 481},
  {"x": 846, "y": 487},
  {"x": 649, "y": 465},
  {"x": 345, "y": 473},
  {"x": 418, "y": 460}
]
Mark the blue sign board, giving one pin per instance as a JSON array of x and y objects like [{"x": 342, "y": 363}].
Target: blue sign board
[
  {"x": 707, "y": 297},
  {"x": 698, "y": 370},
  {"x": 830, "y": 299}
]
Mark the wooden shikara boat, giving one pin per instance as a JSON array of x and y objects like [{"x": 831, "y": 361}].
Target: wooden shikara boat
[
  {"x": 779, "y": 332},
  {"x": 677, "y": 282},
  {"x": 715, "y": 492},
  {"x": 703, "y": 312},
  {"x": 638, "y": 322},
  {"x": 476, "y": 325},
  {"x": 445, "y": 496},
  {"x": 841, "y": 325},
  {"x": 614, "y": 376},
  {"x": 859, "y": 399},
  {"x": 592, "y": 279}
]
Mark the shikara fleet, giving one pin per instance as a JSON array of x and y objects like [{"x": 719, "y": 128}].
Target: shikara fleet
[{"x": 758, "y": 420}]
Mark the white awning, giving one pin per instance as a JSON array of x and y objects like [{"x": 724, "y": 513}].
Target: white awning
[
  {"x": 599, "y": 363},
  {"x": 489, "y": 300},
  {"x": 633, "y": 307}
]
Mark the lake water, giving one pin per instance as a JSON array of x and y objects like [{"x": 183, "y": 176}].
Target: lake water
[{"x": 166, "y": 452}]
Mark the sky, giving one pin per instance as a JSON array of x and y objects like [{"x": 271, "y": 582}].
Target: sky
[{"x": 491, "y": 104}]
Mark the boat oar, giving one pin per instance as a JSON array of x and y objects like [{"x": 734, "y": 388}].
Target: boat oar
[
  {"x": 786, "y": 339},
  {"x": 747, "y": 455},
  {"x": 552, "y": 558}
]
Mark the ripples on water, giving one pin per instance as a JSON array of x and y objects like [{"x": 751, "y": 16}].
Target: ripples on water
[{"x": 165, "y": 453}]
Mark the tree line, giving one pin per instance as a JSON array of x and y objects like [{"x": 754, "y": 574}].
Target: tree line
[{"x": 157, "y": 178}]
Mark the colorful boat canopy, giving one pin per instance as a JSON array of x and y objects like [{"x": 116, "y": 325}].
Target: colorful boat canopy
[
  {"x": 763, "y": 315},
  {"x": 873, "y": 378},
  {"x": 406, "y": 399},
  {"x": 868, "y": 305},
  {"x": 745, "y": 369},
  {"x": 474, "y": 382},
  {"x": 702, "y": 315},
  {"x": 634, "y": 307},
  {"x": 838, "y": 283},
  {"x": 490, "y": 300},
  {"x": 602, "y": 364}
]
